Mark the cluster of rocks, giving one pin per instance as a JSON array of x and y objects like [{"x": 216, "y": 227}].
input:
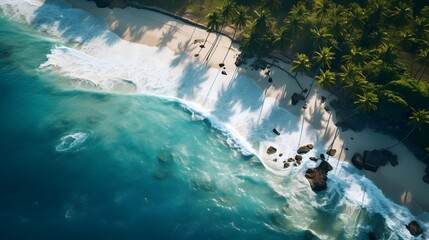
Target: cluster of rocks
[
  {"x": 258, "y": 64},
  {"x": 372, "y": 160},
  {"x": 295, "y": 161},
  {"x": 317, "y": 177}
]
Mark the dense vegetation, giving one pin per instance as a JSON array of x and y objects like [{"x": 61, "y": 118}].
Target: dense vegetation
[{"x": 372, "y": 54}]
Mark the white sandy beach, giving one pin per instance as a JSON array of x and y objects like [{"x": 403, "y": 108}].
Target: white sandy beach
[{"x": 402, "y": 183}]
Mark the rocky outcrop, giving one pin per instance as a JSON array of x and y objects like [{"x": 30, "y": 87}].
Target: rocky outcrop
[
  {"x": 271, "y": 150},
  {"x": 305, "y": 149},
  {"x": 223, "y": 72},
  {"x": 357, "y": 161},
  {"x": 376, "y": 158},
  {"x": 296, "y": 98},
  {"x": 414, "y": 228},
  {"x": 317, "y": 177}
]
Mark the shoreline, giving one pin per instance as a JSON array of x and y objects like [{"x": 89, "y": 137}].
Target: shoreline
[{"x": 412, "y": 193}]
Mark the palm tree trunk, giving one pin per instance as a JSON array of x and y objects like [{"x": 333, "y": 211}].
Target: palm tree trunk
[
  {"x": 423, "y": 73},
  {"x": 212, "y": 47},
  {"x": 230, "y": 45},
  {"x": 406, "y": 136},
  {"x": 418, "y": 70}
]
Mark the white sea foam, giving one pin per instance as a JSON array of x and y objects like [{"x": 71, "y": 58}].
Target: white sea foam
[
  {"x": 100, "y": 57},
  {"x": 73, "y": 141}
]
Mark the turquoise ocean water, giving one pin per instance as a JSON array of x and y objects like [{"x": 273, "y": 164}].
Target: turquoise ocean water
[
  {"x": 109, "y": 166},
  {"x": 80, "y": 164}
]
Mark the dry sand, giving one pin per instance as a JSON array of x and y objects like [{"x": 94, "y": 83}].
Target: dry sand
[{"x": 403, "y": 183}]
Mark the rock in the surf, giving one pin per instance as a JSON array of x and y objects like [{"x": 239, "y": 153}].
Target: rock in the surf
[
  {"x": 357, "y": 161},
  {"x": 271, "y": 150},
  {"x": 331, "y": 152},
  {"x": 304, "y": 149},
  {"x": 317, "y": 177},
  {"x": 275, "y": 131},
  {"x": 414, "y": 228},
  {"x": 296, "y": 98}
]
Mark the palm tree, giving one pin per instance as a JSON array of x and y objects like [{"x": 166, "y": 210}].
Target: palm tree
[
  {"x": 227, "y": 11},
  {"x": 377, "y": 37},
  {"x": 263, "y": 22},
  {"x": 378, "y": 11},
  {"x": 337, "y": 27},
  {"x": 356, "y": 17},
  {"x": 423, "y": 60},
  {"x": 213, "y": 24},
  {"x": 421, "y": 28},
  {"x": 366, "y": 102},
  {"x": 322, "y": 8},
  {"x": 301, "y": 64},
  {"x": 240, "y": 20},
  {"x": 407, "y": 40},
  {"x": 418, "y": 119},
  {"x": 273, "y": 5},
  {"x": 323, "y": 58},
  {"x": 249, "y": 44},
  {"x": 325, "y": 79},
  {"x": 321, "y": 37},
  {"x": 357, "y": 57},
  {"x": 388, "y": 53},
  {"x": 353, "y": 81},
  {"x": 282, "y": 39},
  {"x": 400, "y": 15}
]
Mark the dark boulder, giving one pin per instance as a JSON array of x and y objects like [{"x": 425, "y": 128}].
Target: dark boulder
[
  {"x": 290, "y": 160},
  {"x": 357, "y": 161},
  {"x": 304, "y": 149},
  {"x": 223, "y": 72},
  {"x": 313, "y": 159},
  {"x": 298, "y": 157},
  {"x": 286, "y": 165},
  {"x": 317, "y": 177},
  {"x": 275, "y": 131},
  {"x": 221, "y": 65},
  {"x": 414, "y": 228},
  {"x": 296, "y": 98},
  {"x": 377, "y": 158},
  {"x": 331, "y": 152},
  {"x": 238, "y": 60},
  {"x": 271, "y": 150}
]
